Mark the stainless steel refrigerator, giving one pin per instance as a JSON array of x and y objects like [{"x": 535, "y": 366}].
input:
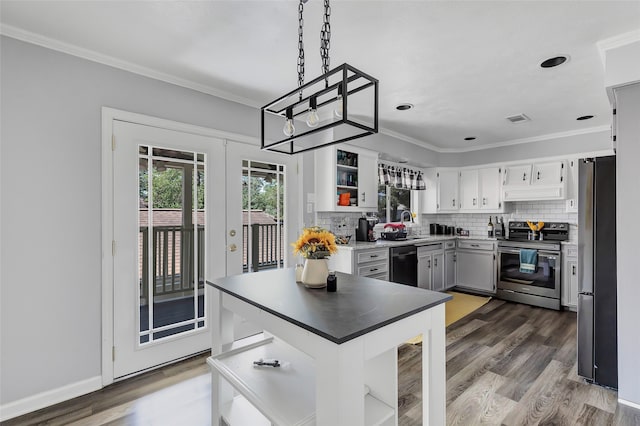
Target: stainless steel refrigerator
[{"x": 597, "y": 304}]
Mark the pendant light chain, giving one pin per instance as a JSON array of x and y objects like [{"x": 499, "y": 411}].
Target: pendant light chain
[
  {"x": 325, "y": 39},
  {"x": 300, "y": 46}
]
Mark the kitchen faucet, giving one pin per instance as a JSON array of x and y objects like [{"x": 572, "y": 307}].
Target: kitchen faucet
[{"x": 402, "y": 216}]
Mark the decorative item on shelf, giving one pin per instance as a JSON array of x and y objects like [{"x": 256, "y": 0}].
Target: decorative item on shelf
[
  {"x": 325, "y": 104},
  {"x": 315, "y": 244},
  {"x": 345, "y": 199}
]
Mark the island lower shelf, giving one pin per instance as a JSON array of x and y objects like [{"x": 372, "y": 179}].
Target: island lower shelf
[{"x": 282, "y": 395}]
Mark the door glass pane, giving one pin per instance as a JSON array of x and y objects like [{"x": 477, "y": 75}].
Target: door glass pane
[
  {"x": 143, "y": 243},
  {"x": 200, "y": 243},
  {"x": 172, "y": 242},
  {"x": 263, "y": 215}
]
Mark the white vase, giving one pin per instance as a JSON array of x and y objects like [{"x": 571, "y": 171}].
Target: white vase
[{"x": 315, "y": 273}]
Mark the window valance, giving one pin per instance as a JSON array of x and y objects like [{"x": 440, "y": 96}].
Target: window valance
[{"x": 400, "y": 177}]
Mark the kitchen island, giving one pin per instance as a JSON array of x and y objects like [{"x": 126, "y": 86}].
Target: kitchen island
[{"x": 337, "y": 352}]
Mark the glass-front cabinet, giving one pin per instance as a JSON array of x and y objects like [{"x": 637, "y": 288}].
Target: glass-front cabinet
[{"x": 346, "y": 179}]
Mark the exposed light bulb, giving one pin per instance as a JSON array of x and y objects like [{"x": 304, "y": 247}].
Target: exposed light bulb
[
  {"x": 338, "y": 110},
  {"x": 288, "y": 128},
  {"x": 312, "y": 118}
]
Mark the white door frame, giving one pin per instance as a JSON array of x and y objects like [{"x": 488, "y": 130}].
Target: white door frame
[{"x": 108, "y": 117}]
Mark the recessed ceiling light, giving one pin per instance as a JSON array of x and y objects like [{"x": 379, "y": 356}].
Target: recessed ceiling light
[
  {"x": 404, "y": 107},
  {"x": 585, "y": 117},
  {"x": 470, "y": 138},
  {"x": 554, "y": 62}
]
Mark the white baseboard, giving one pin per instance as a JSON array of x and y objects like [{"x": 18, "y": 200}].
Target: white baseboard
[
  {"x": 629, "y": 403},
  {"x": 50, "y": 397}
]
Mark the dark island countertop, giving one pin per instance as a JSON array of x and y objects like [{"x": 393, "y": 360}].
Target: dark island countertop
[{"x": 360, "y": 305}]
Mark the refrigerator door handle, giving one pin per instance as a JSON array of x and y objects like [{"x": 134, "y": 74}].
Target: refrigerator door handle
[
  {"x": 585, "y": 226},
  {"x": 585, "y": 336}
]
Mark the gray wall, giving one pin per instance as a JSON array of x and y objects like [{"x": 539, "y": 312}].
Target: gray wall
[
  {"x": 628, "y": 236},
  {"x": 50, "y": 175}
]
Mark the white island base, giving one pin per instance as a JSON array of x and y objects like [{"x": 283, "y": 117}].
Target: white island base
[{"x": 319, "y": 381}]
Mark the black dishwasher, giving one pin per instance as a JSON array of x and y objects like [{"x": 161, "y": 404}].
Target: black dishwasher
[{"x": 404, "y": 265}]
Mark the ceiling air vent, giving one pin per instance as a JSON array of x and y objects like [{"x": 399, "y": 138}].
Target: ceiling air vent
[{"x": 520, "y": 118}]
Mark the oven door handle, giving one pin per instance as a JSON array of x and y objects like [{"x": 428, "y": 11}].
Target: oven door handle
[{"x": 548, "y": 254}]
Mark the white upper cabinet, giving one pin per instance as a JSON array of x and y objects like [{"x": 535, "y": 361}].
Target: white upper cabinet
[
  {"x": 519, "y": 175},
  {"x": 347, "y": 171},
  {"x": 572, "y": 186},
  {"x": 537, "y": 181},
  {"x": 490, "y": 195},
  {"x": 441, "y": 194},
  {"x": 448, "y": 190},
  {"x": 480, "y": 189},
  {"x": 548, "y": 173},
  {"x": 469, "y": 189}
]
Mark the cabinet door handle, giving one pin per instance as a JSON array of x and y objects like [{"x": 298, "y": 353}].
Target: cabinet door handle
[
  {"x": 373, "y": 269},
  {"x": 504, "y": 181},
  {"x": 474, "y": 201},
  {"x": 484, "y": 201},
  {"x": 364, "y": 197},
  {"x": 475, "y": 245},
  {"x": 524, "y": 176},
  {"x": 429, "y": 263},
  {"x": 435, "y": 262},
  {"x": 573, "y": 269},
  {"x": 453, "y": 204},
  {"x": 538, "y": 175},
  {"x": 373, "y": 255}
]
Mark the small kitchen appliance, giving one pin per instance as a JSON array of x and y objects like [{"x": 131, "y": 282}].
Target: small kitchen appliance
[{"x": 364, "y": 231}]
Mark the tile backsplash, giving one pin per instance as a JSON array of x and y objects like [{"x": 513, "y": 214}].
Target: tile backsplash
[{"x": 476, "y": 223}]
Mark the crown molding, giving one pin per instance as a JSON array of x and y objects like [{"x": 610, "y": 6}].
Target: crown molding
[
  {"x": 501, "y": 144},
  {"x": 617, "y": 41},
  {"x": 540, "y": 138},
  {"x": 70, "y": 49},
  {"x": 405, "y": 138}
]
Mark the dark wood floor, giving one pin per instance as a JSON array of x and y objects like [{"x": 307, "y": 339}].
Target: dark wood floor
[{"x": 507, "y": 364}]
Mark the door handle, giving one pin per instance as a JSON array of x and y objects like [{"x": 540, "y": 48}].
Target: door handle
[
  {"x": 573, "y": 270},
  {"x": 232, "y": 233},
  {"x": 429, "y": 263},
  {"x": 233, "y": 247},
  {"x": 364, "y": 197},
  {"x": 538, "y": 175},
  {"x": 524, "y": 176},
  {"x": 435, "y": 262}
]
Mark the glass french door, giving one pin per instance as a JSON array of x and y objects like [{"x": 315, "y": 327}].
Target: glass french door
[{"x": 165, "y": 243}]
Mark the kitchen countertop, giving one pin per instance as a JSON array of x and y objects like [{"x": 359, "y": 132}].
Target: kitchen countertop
[
  {"x": 360, "y": 305},
  {"x": 363, "y": 245}
]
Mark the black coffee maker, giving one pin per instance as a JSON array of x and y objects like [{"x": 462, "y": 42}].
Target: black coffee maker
[{"x": 364, "y": 231}]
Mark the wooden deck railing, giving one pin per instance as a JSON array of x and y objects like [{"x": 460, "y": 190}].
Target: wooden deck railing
[
  {"x": 173, "y": 253},
  {"x": 173, "y": 259},
  {"x": 267, "y": 248}
]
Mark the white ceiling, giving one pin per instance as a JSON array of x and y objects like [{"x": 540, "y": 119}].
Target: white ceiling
[{"x": 464, "y": 65}]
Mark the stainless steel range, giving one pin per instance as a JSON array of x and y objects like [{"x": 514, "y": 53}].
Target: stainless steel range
[{"x": 540, "y": 287}]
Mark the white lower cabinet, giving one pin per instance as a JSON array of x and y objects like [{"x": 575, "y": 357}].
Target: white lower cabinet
[
  {"x": 476, "y": 265},
  {"x": 450, "y": 264},
  {"x": 431, "y": 267},
  {"x": 372, "y": 263},
  {"x": 284, "y": 395},
  {"x": 569, "y": 291}
]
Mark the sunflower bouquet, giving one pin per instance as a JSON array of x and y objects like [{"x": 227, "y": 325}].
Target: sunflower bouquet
[{"x": 315, "y": 243}]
